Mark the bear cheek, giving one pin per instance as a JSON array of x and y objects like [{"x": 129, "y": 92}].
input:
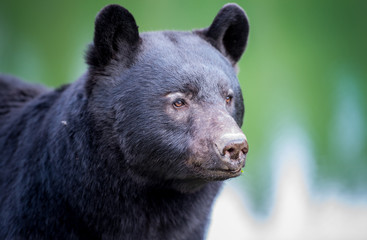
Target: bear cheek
[{"x": 199, "y": 152}]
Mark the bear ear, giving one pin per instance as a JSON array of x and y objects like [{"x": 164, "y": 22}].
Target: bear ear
[
  {"x": 115, "y": 32},
  {"x": 228, "y": 32}
]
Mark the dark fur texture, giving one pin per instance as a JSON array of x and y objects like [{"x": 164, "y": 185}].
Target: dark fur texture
[{"x": 108, "y": 157}]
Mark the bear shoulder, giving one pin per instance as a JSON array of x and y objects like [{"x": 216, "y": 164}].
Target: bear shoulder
[{"x": 14, "y": 93}]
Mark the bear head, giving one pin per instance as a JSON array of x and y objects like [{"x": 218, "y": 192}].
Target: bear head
[{"x": 169, "y": 103}]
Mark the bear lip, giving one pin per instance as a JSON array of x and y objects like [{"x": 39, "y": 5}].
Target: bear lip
[
  {"x": 226, "y": 173},
  {"x": 231, "y": 171},
  {"x": 218, "y": 173}
]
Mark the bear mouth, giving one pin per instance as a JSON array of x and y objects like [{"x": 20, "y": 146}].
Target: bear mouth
[
  {"x": 228, "y": 172},
  {"x": 218, "y": 174}
]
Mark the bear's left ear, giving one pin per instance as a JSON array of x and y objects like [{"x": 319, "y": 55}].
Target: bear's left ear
[
  {"x": 228, "y": 32},
  {"x": 115, "y": 33}
]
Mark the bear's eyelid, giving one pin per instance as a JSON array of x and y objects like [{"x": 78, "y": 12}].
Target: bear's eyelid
[
  {"x": 229, "y": 93},
  {"x": 179, "y": 103},
  {"x": 175, "y": 95}
]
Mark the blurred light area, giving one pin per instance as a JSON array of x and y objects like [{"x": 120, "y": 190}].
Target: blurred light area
[
  {"x": 297, "y": 211},
  {"x": 347, "y": 128},
  {"x": 295, "y": 214}
]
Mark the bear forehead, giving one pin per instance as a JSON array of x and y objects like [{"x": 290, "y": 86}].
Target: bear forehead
[
  {"x": 175, "y": 47},
  {"x": 184, "y": 56}
]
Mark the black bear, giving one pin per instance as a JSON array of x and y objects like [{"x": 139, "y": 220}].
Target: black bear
[{"x": 137, "y": 147}]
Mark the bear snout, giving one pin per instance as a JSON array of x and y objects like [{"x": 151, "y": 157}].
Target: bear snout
[{"x": 232, "y": 149}]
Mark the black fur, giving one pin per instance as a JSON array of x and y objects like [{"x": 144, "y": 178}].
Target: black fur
[
  {"x": 107, "y": 157},
  {"x": 115, "y": 28},
  {"x": 228, "y": 32}
]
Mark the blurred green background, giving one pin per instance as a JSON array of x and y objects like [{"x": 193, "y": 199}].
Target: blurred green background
[{"x": 304, "y": 79}]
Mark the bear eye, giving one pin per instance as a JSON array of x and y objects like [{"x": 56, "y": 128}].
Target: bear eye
[
  {"x": 178, "y": 103},
  {"x": 229, "y": 99}
]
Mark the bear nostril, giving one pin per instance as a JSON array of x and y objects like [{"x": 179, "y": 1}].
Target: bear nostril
[
  {"x": 232, "y": 152},
  {"x": 245, "y": 148},
  {"x": 235, "y": 147}
]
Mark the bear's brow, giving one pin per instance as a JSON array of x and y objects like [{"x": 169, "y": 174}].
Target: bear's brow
[{"x": 189, "y": 89}]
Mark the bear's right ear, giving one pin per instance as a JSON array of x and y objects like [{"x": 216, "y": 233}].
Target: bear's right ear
[
  {"x": 115, "y": 32},
  {"x": 228, "y": 32}
]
